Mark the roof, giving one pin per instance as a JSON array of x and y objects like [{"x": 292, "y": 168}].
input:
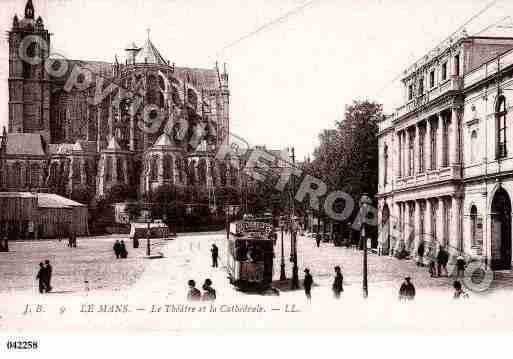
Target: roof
[
  {"x": 25, "y": 144},
  {"x": 51, "y": 200},
  {"x": 44, "y": 200},
  {"x": 85, "y": 146},
  {"x": 164, "y": 141},
  {"x": 200, "y": 78},
  {"x": 61, "y": 148},
  {"x": 149, "y": 54}
]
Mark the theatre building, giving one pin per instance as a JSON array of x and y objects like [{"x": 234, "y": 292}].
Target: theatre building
[{"x": 446, "y": 168}]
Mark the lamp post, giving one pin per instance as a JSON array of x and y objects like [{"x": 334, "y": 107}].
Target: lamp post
[
  {"x": 282, "y": 265},
  {"x": 149, "y": 220},
  {"x": 365, "y": 200}
]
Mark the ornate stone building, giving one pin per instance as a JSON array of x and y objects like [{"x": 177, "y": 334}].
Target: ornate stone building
[
  {"x": 445, "y": 173},
  {"x": 77, "y": 125}
]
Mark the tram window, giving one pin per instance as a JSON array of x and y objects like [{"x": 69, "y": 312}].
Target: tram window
[{"x": 241, "y": 251}]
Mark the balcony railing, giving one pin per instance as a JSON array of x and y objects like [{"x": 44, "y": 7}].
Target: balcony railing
[{"x": 454, "y": 83}]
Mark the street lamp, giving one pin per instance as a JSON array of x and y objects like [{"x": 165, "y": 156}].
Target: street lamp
[
  {"x": 283, "y": 276},
  {"x": 365, "y": 201},
  {"x": 149, "y": 220}
]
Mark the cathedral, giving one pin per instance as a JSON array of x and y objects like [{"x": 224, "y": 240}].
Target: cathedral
[{"x": 86, "y": 126}]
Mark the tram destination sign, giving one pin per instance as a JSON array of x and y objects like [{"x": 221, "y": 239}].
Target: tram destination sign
[{"x": 253, "y": 227}]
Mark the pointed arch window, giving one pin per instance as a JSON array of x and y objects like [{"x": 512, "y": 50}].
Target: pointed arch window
[
  {"x": 16, "y": 180},
  {"x": 154, "y": 168},
  {"x": 500, "y": 115},
  {"x": 35, "y": 174},
  {"x": 168, "y": 168}
]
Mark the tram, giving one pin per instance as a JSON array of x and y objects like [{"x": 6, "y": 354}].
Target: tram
[{"x": 250, "y": 254}]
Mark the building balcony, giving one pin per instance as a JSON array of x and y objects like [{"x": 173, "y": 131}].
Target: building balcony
[
  {"x": 454, "y": 83},
  {"x": 429, "y": 177}
]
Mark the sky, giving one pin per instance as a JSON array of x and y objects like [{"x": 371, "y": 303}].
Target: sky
[{"x": 288, "y": 81}]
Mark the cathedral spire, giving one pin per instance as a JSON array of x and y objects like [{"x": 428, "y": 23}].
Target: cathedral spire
[{"x": 29, "y": 10}]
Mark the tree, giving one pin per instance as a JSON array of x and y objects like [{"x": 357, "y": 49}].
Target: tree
[{"x": 347, "y": 156}]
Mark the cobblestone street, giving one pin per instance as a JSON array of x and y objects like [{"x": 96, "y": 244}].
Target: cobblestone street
[{"x": 189, "y": 256}]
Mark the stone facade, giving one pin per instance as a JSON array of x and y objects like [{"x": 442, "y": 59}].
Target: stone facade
[
  {"x": 142, "y": 134},
  {"x": 445, "y": 175}
]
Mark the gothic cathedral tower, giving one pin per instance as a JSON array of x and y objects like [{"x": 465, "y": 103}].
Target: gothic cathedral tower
[{"x": 29, "y": 83}]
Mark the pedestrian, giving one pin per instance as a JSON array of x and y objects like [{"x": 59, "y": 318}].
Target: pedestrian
[
  {"x": 338, "y": 283},
  {"x": 215, "y": 255},
  {"x": 318, "y": 239},
  {"x": 432, "y": 267},
  {"x": 407, "y": 290},
  {"x": 49, "y": 271},
  {"x": 307, "y": 284},
  {"x": 122, "y": 250},
  {"x": 460, "y": 267},
  {"x": 459, "y": 293},
  {"x": 193, "y": 294},
  {"x": 209, "y": 293},
  {"x": 443, "y": 259},
  {"x": 41, "y": 277},
  {"x": 117, "y": 249},
  {"x": 420, "y": 253}
]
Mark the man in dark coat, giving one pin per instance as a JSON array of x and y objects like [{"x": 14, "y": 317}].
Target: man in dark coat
[
  {"x": 215, "y": 255},
  {"x": 41, "y": 276},
  {"x": 307, "y": 284},
  {"x": 209, "y": 293},
  {"x": 122, "y": 250},
  {"x": 338, "y": 282},
  {"x": 117, "y": 249},
  {"x": 49, "y": 271},
  {"x": 193, "y": 294},
  {"x": 460, "y": 266},
  {"x": 443, "y": 259},
  {"x": 420, "y": 253},
  {"x": 407, "y": 290}
]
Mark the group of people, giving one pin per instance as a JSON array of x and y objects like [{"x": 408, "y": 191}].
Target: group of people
[
  {"x": 438, "y": 264},
  {"x": 44, "y": 276},
  {"x": 407, "y": 290},
  {"x": 337, "y": 286},
  {"x": 120, "y": 249},
  {"x": 194, "y": 294}
]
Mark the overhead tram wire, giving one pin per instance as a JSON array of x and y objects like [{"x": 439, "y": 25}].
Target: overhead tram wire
[
  {"x": 279, "y": 19},
  {"x": 472, "y": 18}
]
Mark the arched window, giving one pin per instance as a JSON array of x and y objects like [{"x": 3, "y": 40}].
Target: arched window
[
  {"x": 233, "y": 176},
  {"x": 35, "y": 175},
  {"x": 168, "y": 168},
  {"x": 202, "y": 172},
  {"x": 179, "y": 169},
  {"x": 154, "y": 168},
  {"x": 108, "y": 168},
  {"x": 385, "y": 166},
  {"x": 473, "y": 224},
  {"x": 500, "y": 115},
  {"x": 222, "y": 173},
  {"x": 120, "y": 172},
  {"x": 77, "y": 171},
  {"x": 16, "y": 179},
  {"x": 473, "y": 146}
]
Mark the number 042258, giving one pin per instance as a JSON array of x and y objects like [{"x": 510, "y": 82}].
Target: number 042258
[{"x": 22, "y": 345}]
